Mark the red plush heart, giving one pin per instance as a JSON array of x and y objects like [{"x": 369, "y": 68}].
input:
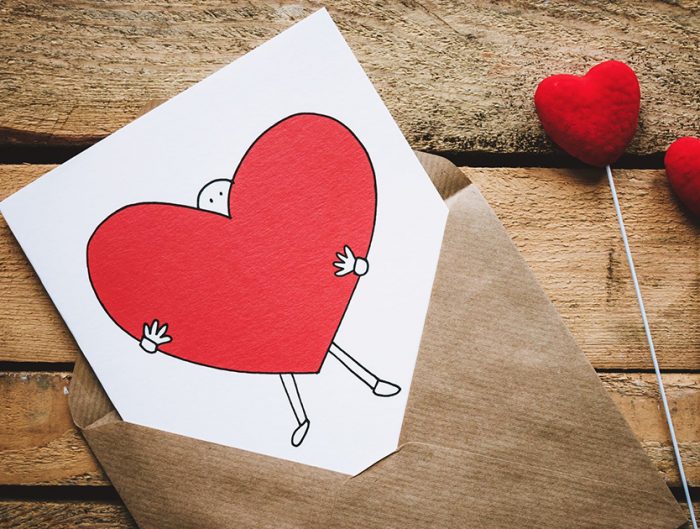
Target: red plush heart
[
  {"x": 255, "y": 291},
  {"x": 682, "y": 163},
  {"x": 593, "y": 117}
]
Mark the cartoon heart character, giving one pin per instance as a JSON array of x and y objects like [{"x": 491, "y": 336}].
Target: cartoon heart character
[{"x": 258, "y": 275}]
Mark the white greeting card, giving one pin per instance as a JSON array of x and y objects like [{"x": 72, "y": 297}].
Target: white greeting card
[{"x": 251, "y": 262}]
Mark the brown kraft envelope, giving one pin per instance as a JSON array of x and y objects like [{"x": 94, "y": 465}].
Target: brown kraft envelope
[{"x": 507, "y": 424}]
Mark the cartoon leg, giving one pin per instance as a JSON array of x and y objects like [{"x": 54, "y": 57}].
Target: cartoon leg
[
  {"x": 379, "y": 387},
  {"x": 290, "y": 388}
]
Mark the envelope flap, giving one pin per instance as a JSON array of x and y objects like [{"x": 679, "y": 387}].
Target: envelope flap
[{"x": 499, "y": 374}]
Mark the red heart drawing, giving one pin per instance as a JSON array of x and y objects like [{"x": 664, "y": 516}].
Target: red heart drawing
[
  {"x": 254, "y": 291},
  {"x": 682, "y": 163},
  {"x": 593, "y": 117}
]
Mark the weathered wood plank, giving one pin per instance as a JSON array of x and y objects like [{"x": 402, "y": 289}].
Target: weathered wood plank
[
  {"x": 64, "y": 515},
  {"x": 457, "y": 77},
  {"x": 39, "y": 444},
  {"x": 696, "y": 510},
  {"x": 636, "y": 396},
  {"x": 562, "y": 221}
]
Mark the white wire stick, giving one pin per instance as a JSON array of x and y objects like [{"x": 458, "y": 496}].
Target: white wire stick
[{"x": 662, "y": 391}]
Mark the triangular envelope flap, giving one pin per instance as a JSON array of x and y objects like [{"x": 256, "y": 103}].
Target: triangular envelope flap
[
  {"x": 172, "y": 481},
  {"x": 499, "y": 374}
]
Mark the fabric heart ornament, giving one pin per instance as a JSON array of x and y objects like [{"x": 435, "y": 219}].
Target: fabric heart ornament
[
  {"x": 254, "y": 290},
  {"x": 682, "y": 163},
  {"x": 593, "y": 117}
]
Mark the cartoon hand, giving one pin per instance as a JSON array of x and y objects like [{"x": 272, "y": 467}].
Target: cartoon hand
[
  {"x": 349, "y": 263},
  {"x": 154, "y": 337}
]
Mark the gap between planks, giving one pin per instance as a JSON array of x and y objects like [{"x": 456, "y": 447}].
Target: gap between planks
[{"x": 43, "y": 155}]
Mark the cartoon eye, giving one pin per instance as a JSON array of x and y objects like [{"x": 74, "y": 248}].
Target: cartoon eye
[
  {"x": 221, "y": 193},
  {"x": 211, "y": 200}
]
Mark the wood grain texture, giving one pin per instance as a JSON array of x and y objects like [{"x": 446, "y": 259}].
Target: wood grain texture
[
  {"x": 686, "y": 510},
  {"x": 575, "y": 252},
  {"x": 457, "y": 77},
  {"x": 64, "y": 515},
  {"x": 40, "y": 445},
  {"x": 564, "y": 224},
  {"x": 636, "y": 396}
]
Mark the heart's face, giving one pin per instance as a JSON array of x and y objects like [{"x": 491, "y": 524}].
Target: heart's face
[
  {"x": 593, "y": 117},
  {"x": 682, "y": 163},
  {"x": 254, "y": 290}
]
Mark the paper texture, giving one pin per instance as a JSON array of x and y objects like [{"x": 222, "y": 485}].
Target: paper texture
[
  {"x": 220, "y": 214},
  {"x": 507, "y": 424}
]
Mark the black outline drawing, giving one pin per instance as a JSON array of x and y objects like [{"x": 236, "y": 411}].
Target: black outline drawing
[{"x": 155, "y": 335}]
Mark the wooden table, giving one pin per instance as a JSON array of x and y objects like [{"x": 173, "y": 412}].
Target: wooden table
[{"x": 459, "y": 80}]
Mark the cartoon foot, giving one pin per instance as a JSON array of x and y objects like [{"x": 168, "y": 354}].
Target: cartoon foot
[
  {"x": 300, "y": 433},
  {"x": 385, "y": 389}
]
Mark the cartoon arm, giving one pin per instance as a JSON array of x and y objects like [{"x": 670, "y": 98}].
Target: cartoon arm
[
  {"x": 154, "y": 337},
  {"x": 349, "y": 263}
]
